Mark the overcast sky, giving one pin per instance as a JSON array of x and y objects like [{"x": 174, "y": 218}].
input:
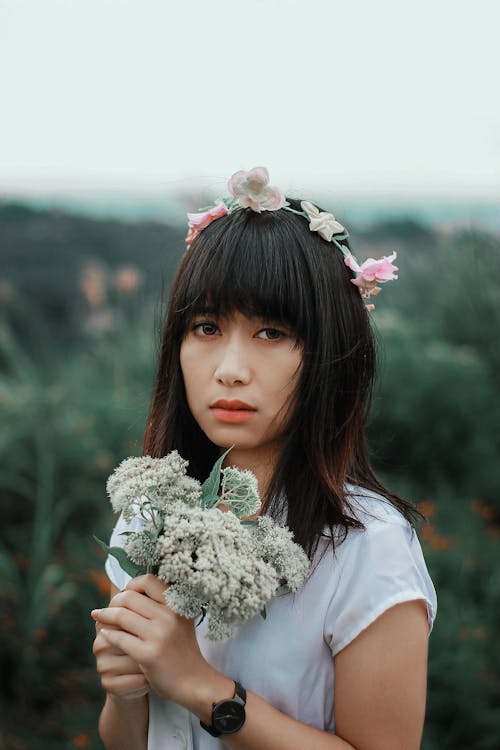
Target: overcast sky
[{"x": 388, "y": 96}]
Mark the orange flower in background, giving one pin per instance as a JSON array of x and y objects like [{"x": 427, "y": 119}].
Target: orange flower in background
[
  {"x": 81, "y": 740},
  {"x": 482, "y": 509},
  {"x": 435, "y": 541},
  {"x": 482, "y": 634},
  {"x": 40, "y": 634},
  {"x": 427, "y": 507},
  {"x": 478, "y": 634},
  {"x": 128, "y": 279},
  {"x": 101, "y": 581},
  {"x": 93, "y": 285},
  {"x": 463, "y": 634}
]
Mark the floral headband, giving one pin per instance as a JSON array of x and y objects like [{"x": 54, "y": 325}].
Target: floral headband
[{"x": 252, "y": 190}]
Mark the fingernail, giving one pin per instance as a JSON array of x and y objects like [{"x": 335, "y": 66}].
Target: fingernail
[{"x": 95, "y": 613}]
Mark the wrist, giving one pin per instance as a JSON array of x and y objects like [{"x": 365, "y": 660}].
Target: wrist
[
  {"x": 228, "y": 716},
  {"x": 214, "y": 687}
]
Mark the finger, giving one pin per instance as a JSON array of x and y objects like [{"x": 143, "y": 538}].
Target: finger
[
  {"x": 137, "y": 602},
  {"x": 149, "y": 585},
  {"x": 123, "y": 619},
  {"x": 130, "y": 644},
  {"x": 99, "y": 626},
  {"x": 118, "y": 665},
  {"x": 102, "y": 645},
  {"x": 142, "y": 603}
]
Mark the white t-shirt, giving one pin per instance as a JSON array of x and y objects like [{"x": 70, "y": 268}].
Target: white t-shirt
[{"x": 287, "y": 657}]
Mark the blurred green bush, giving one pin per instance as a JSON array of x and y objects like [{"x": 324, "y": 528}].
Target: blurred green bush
[
  {"x": 66, "y": 422},
  {"x": 73, "y": 405}
]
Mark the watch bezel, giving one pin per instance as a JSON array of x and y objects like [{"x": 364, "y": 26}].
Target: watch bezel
[{"x": 223, "y": 706}]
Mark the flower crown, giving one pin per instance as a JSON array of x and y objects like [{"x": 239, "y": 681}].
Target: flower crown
[{"x": 252, "y": 190}]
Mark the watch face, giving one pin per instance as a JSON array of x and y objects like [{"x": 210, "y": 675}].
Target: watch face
[{"x": 228, "y": 717}]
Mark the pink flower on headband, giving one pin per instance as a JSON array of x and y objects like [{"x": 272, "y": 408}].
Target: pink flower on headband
[
  {"x": 197, "y": 222},
  {"x": 252, "y": 190},
  {"x": 371, "y": 272}
]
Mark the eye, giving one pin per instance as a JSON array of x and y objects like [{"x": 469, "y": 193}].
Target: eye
[
  {"x": 205, "y": 328},
  {"x": 271, "y": 334}
]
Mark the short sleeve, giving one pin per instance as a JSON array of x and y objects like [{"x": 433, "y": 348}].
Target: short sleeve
[
  {"x": 116, "y": 575},
  {"x": 376, "y": 568}
]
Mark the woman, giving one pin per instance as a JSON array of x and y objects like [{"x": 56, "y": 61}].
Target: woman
[{"x": 268, "y": 347}]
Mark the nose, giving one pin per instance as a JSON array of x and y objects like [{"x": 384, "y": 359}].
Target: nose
[{"x": 233, "y": 367}]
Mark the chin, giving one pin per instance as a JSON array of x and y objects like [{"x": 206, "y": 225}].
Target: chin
[
  {"x": 225, "y": 437},
  {"x": 235, "y": 442}
]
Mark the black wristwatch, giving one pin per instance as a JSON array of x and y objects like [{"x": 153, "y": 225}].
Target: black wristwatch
[{"x": 228, "y": 716}]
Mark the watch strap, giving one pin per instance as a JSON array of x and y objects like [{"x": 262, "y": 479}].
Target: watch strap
[{"x": 240, "y": 694}]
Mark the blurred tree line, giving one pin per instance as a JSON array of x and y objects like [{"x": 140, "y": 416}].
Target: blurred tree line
[{"x": 79, "y": 326}]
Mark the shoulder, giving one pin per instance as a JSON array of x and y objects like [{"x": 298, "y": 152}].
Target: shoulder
[
  {"x": 372, "y": 508},
  {"x": 373, "y": 568},
  {"x": 386, "y": 538},
  {"x": 376, "y": 514}
]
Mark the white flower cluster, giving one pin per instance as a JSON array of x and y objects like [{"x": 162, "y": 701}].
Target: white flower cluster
[
  {"x": 157, "y": 481},
  {"x": 211, "y": 555},
  {"x": 212, "y": 563},
  {"x": 274, "y": 544},
  {"x": 140, "y": 546}
]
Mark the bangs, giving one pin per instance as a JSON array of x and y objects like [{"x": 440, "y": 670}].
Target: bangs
[{"x": 235, "y": 266}]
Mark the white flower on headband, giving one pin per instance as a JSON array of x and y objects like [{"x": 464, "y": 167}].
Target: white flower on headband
[
  {"x": 252, "y": 190},
  {"x": 325, "y": 224}
]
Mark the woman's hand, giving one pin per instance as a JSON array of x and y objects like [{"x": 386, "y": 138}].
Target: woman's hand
[
  {"x": 121, "y": 676},
  {"x": 163, "y": 644}
]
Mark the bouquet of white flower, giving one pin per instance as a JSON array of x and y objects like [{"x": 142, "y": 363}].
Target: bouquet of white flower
[{"x": 214, "y": 563}]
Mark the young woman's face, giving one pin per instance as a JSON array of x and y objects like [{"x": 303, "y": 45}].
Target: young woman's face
[{"x": 239, "y": 374}]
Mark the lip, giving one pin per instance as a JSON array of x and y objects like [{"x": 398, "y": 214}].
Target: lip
[
  {"x": 232, "y": 411},
  {"x": 233, "y": 404},
  {"x": 233, "y": 416}
]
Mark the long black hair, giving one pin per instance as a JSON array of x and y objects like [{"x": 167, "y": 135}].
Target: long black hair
[{"x": 272, "y": 266}]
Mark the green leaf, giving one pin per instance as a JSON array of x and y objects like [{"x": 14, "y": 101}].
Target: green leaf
[
  {"x": 126, "y": 564},
  {"x": 210, "y": 486},
  {"x": 159, "y": 531},
  {"x": 204, "y": 611}
]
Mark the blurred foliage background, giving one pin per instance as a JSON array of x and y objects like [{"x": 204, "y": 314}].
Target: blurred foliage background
[{"x": 79, "y": 325}]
